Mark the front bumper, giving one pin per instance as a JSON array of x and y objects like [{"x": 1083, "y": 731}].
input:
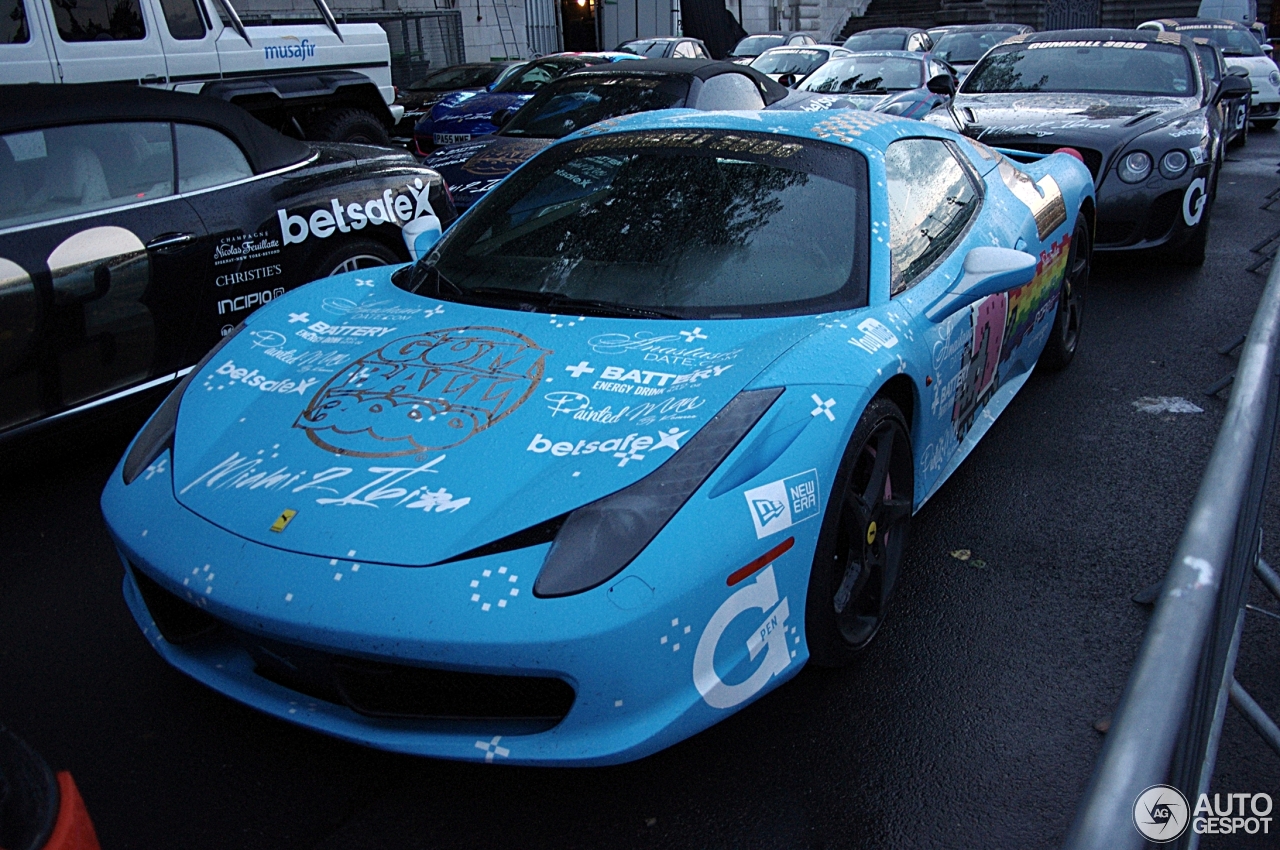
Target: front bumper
[
  {"x": 1157, "y": 213},
  {"x": 626, "y": 649}
]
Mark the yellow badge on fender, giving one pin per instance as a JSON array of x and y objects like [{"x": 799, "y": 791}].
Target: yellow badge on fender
[{"x": 283, "y": 520}]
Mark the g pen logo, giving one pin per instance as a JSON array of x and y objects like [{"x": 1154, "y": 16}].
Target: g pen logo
[{"x": 1160, "y": 813}]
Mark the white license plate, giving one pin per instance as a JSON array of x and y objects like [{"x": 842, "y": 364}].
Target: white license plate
[{"x": 451, "y": 138}]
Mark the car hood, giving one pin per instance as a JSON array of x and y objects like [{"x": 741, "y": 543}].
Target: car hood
[
  {"x": 353, "y": 420},
  {"x": 470, "y": 169},
  {"x": 474, "y": 106},
  {"x": 1102, "y": 122},
  {"x": 808, "y": 101}
]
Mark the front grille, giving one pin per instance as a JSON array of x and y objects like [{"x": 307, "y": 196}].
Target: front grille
[
  {"x": 1092, "y": 158},
  {"x": 1163, "y": 214},
  {"x": 371, "y": 688}
]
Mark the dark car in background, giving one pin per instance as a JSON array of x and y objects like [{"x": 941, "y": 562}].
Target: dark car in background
[
  {"x": 753, "y": 45},
  {"x": 674, "y": 47},
  {"x": 585, "y": 97},
  {"x": 891, "y": 81},
  {"x": 961, "y": 46},
  {"x": 462, "y": 115},
  {"x": 1133, "y": 103},
  {"x": 790, "y": 65},
  {"x": 137, "y": 227},
  {"x": 911, "y": 39},
  {"x": 1241, "y": 48},
  {"x": 420, "y": 95},
  {"x": 1233, "y": 111}
]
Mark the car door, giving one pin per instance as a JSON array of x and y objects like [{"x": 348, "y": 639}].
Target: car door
[
  {"x": 96, "y": 264},
  {"x": 96, "y": 40},
  {"x": 190, "y": 43},
  {"x": 24, "y": 57}
]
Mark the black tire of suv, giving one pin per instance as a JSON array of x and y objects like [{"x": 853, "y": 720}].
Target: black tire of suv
[{"x": 349, "y": 125}]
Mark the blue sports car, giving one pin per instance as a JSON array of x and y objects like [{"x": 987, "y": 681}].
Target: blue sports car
[
  {"x": 601, "y": 467},
  {"x": 463, "y": 115}
]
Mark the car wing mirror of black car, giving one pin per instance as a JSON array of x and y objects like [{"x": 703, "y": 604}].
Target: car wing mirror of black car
[
  {"x": 943, "y": 84},
  {"x": 501, "y": 117},
  {"x": 788, "y": 80},
  {"x": 1237, "y": 71},
  {"x": 1232, "y": 87},
  {"x": 987, "y": 271}
]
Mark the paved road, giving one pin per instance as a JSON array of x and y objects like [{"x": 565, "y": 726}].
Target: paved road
[{"x": 969, "y": 724}]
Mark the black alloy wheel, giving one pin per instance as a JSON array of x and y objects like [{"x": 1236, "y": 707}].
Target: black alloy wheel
[
  {"x": 1065, "y": 336},
  {"x": 864, "y": 535}
]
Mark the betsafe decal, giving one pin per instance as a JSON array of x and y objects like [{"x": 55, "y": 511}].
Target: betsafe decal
[
  {"x": 405, "y": 205},
  {"x": 426, "y": 392}
]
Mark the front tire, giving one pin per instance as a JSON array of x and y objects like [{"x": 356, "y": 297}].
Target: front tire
[
  {"x": 1065, "y": 336},
  {"x": 863, "y": 537},
  {"x": 352, "y": 256},
  {"x": 349, "y": 125}
]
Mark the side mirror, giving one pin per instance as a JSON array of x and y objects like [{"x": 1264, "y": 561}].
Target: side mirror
[
  {"x": 788, "y": 80},
  {"x": 987, "y": 271},
  {"x": 1266, "y": 48},
  {"x": 943, "y": 84},
  {"x": 421, "y": 234},
  {"x": 500, "y": 117},
  {"x": 1237, "y": 71},
  {"x": 1232, "y": 87}
]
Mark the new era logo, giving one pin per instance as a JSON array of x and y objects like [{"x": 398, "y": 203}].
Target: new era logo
[{"x": 781, "y": 504}]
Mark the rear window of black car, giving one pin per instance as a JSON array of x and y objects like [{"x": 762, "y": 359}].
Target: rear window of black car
[
  {"x": 577, "y": 102},
  {"x": 1104, "y": 67},
  {"x": 697, "y": 223},
  {"x": 537, "y": 75}
]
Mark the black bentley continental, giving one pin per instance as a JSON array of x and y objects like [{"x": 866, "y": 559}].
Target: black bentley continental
[
  {"x": 1136, "y": 105},
  {"x": 137, "y": 226}
]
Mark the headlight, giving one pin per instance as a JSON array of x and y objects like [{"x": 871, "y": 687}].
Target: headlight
[
  {"x": 1274, "y": 77},
  {"x": 157, "y": 434},
  {"x": 1134, "y": 167},
  {"x": 599, "y": 540},
  {"x": 1173, "y": 164}
]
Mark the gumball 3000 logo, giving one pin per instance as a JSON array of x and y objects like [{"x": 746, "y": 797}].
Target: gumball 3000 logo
[
  {"x": 425, "y": 392},
  {"x": 771, "y": 636}
]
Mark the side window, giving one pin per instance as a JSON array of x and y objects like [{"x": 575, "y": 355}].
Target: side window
[
  {"x": 99, "y": 20},
  {"x": 684, "y": 50},
  {"x": 730, "y": 91},
  {"x": 931, "y": 199},
  {"x": 183, "y": 19},
  {"x": 64, "y": 171},
  {"x": 13, "y": 23},
  {"x": 700, "y": 52},
  {"x": 207, "y": 158}
]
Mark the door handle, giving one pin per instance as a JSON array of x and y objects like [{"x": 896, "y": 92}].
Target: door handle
[
  {"x": 170, "y": 241},
  {"x": 153, "y": 79}
]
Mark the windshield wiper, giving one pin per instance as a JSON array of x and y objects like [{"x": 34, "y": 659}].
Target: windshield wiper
[{"x": 557, "y": 300}]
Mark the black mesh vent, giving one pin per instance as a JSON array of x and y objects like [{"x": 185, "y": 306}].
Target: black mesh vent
[
  {"x": 1163, "y": 214},
  {"x": 1092, "y": 158},
  {"x": 178, "y": 620}
]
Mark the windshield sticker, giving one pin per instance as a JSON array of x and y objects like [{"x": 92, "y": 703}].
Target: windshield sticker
[
  {"x": 426, "y": 392},
  {"x": 1119, "y": 45},
  {"x": 848, "y": 125}
]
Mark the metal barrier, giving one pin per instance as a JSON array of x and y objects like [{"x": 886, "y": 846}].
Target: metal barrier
[{"x": 1166, "y": 728}]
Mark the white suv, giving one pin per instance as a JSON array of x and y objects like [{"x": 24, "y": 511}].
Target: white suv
[{"x": 313, "y": 80}]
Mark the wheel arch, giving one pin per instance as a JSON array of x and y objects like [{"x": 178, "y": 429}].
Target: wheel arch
[{"x": 902, "y": 391}]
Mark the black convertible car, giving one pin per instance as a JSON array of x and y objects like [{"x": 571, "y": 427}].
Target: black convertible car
[
  {"x": 137, "y": 226},
  {"x": 1135, "y": 104}
]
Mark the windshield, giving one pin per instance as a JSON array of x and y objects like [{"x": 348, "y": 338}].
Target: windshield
[
  {"x": 461, "y": 77},
  {"x": 866, "y": 75},
  {"x": 535, "y": 75},
  {"x": 789, "y": 61},
  {"x": 651, "y": 49},
  {"x": 757, "y": 44},
  {"x": 876, "y": 41},
  {"x": 965, "y": 48},
  {"x": 1234, "y": 41},
  {"x": 703, "y": 223},
  {"x": 575, "y": 102},
  {"x": 1110, "y": 67}
]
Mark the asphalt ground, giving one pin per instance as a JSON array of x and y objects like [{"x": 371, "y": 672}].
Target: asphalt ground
[{"x": 970, "y": 723}]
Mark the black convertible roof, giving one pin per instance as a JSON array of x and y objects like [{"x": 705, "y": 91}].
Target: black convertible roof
[
  {"x": 1148, "y": 36},
  {"x": 39, "y": 105},
  {"x": 703, "y": 69}
]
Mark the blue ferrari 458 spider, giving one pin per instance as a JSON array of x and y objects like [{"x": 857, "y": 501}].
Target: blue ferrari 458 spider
[{"x": 631, "y": 444}]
